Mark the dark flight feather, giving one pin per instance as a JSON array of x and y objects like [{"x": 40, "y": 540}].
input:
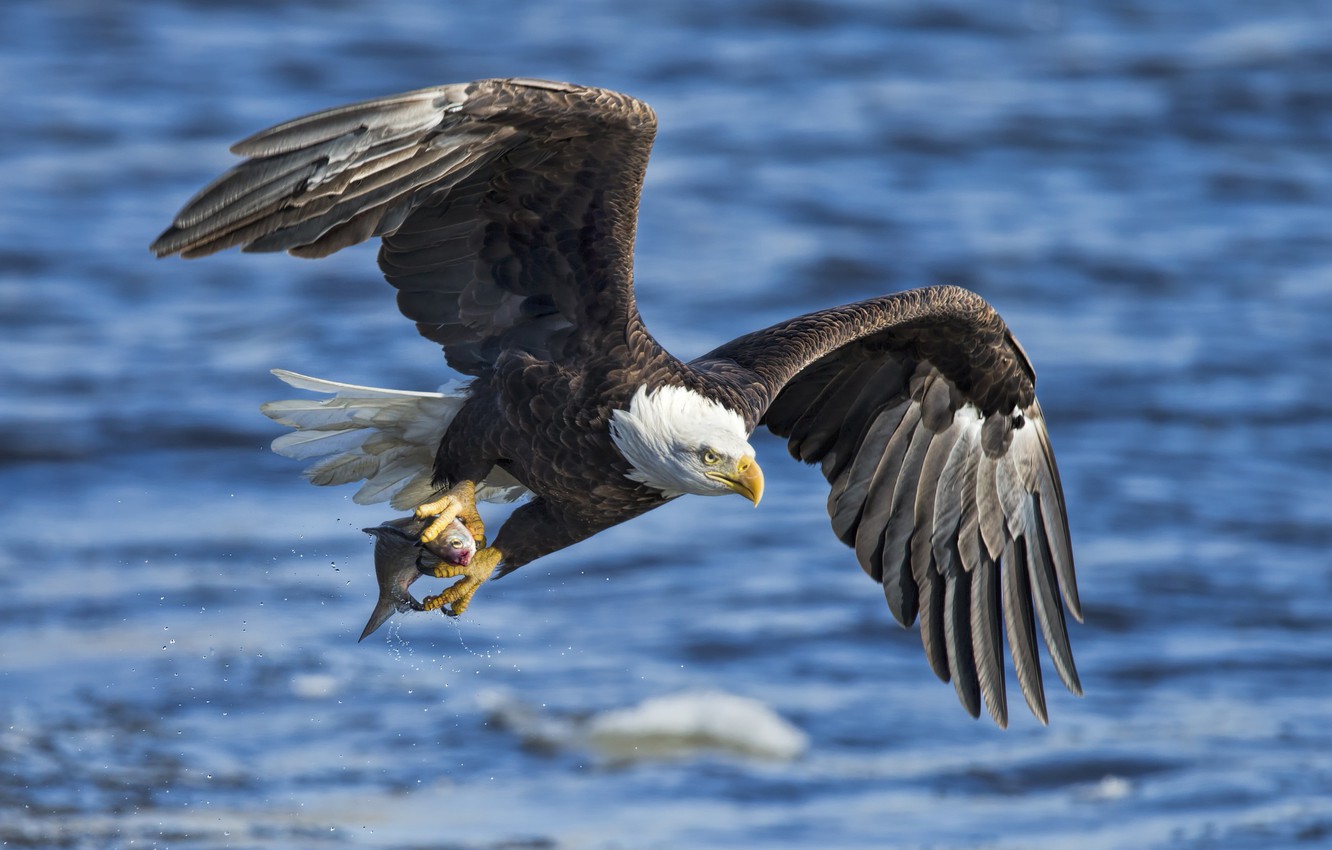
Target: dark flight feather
[{"x": 941, "y": 474}]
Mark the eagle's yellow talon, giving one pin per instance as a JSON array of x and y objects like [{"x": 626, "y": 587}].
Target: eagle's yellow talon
[
  {"x": 459, "y": 595},
  {"x": 429, "y": 509},
  {"x": 445, "y": 571},
  {"x": 430, "y": 603},
  {"x": 457, "y": 502}
]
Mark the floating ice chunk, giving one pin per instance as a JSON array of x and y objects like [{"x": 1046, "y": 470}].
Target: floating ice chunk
[
  {"x": 315, "y": 685},
  {"x": 678, "y": 723},
  {"x": 1109, "y": 789},
  {"x": 661, "y": 727}
]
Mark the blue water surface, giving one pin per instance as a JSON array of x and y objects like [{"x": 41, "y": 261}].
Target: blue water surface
[{"x": 1143, "y": 189}]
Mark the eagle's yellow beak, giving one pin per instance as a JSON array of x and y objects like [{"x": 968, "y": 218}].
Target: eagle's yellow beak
[{"x": 747, "y": 479}]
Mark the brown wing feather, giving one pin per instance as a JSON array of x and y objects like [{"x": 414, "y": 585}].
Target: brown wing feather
[
  {"x": 507, "y": 208},
  {"x": 921, "y": 408}
]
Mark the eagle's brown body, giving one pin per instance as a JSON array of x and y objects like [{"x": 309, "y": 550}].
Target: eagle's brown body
[{"x": 540, "y": 422}]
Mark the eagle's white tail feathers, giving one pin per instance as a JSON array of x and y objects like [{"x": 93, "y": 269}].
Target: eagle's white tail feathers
[
  {"x": 304, "y": 445},
  {"x": 386, "y": 438},
  {"x": 319, "y": 385}
]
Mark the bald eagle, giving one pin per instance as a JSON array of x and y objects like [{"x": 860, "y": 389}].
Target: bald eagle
[{"x": 507, "y": 210}]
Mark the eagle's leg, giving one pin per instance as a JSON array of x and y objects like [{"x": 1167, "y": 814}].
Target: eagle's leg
[
  {"x": 470, "y": 577},
  {"x": 458, "y": 502}
]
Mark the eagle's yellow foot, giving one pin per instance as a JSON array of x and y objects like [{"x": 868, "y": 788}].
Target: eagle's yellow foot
[
  {"x": 458, "y": 596},
  {"x": 458, "y": 502}
]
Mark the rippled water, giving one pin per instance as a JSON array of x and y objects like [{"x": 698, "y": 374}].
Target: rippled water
[{"x": 1142, "y": 189}]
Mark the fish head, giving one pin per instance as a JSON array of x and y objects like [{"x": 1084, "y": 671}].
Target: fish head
[{"x": 455, "y": 545}]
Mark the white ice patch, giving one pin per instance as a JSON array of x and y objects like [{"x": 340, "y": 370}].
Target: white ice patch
[
  {"x": 1110, "y": 789},
  {"x": 315, "y": 685},
  {"x": 701, "y": 720},
  {"x": 672, "y": 726}
]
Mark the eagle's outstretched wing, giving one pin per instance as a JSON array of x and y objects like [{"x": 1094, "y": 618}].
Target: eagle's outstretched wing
[
  {"x": 507, "y": 208},
  {"x": 921, "y": 409}
]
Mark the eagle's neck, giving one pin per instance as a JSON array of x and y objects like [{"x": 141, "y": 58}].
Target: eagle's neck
[{"x": 658, "y": 434}]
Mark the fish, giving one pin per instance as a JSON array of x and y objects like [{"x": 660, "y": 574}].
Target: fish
[{"x": 400, "y": 559}]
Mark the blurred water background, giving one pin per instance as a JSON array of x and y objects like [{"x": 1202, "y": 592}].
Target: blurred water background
[{"x": 1141, "y": 188}]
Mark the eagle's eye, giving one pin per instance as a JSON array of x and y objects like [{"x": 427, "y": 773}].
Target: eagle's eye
[{"x": 710, "y": 457}]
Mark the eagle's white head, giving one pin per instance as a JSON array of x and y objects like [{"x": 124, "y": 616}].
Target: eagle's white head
[{"x": 679, "y": 441}]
